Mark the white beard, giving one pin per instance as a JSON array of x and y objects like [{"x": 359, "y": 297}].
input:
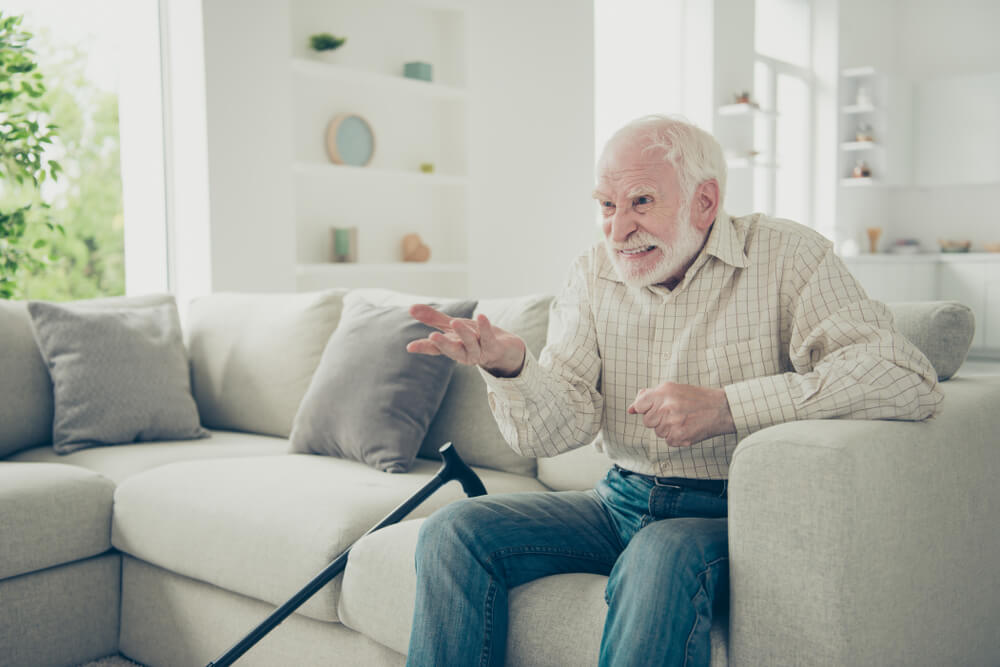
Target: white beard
[{"x": 672, "y": 259}]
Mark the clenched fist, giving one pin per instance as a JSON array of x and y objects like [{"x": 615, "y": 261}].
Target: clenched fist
[
  {"x": 683, "y": 414},
  {"x": 471, "y": 342}
]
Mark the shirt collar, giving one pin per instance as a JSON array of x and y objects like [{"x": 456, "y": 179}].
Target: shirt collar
[{"x": 727, "y": 241}]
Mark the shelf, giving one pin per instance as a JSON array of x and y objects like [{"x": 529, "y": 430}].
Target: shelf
[
  {"x": 441, "y": 5},
  {"x": 866, "y": 182},
  {"x": 749, "y": 163},
  {"x": 744, "y": 110},
  {"x": 400, "y": 84},
  {"x": 333, "y": 268},
  {"x": 376, "y": 174},
  {"x": 857, "y": 72},
  {"x": 856, "y": 109},
  {"x": 859, "y": 145}
]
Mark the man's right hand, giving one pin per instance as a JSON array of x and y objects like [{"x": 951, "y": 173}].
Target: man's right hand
[{"x": 471, "y": 342}]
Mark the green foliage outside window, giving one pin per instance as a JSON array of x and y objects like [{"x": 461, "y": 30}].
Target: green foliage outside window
[
  {"x": 78, "y": 220},
  {"x": 23, "y": 140}
]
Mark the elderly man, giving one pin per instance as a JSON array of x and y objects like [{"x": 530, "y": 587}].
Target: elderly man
[{"x": 685, "y": 332}]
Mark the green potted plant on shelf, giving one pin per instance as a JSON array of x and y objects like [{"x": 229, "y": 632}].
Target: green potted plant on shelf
[
  {"x": 325, "y": 44},
  {"x": 23, "y": 169}
]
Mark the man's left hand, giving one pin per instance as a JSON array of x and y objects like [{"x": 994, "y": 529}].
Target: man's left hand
[{"x": 683, "y": 414}]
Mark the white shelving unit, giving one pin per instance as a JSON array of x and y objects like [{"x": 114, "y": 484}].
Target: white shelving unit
[
  {"x": 875, "y": 105},
  {"x": 413, "y": 121},
  {"x": 743, "y": 130}
]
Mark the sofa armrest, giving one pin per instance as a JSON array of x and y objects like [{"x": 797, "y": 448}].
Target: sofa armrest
[{"x": 869, "y": 542}]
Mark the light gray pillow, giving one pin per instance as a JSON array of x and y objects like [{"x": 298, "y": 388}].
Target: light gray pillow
[
  {"x": 370, "y": 400},
  {"x": 464, "y": 417},
  {"x": 118, "y": 374},
  {"x": 942, "y": 330},
  {"x": 253, "y": 355}
]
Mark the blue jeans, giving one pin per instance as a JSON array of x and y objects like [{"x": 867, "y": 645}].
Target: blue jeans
[{"x": 663, "y": 547}]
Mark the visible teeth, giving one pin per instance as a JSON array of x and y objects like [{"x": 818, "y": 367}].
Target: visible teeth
[{"x": 636, "y": 251}]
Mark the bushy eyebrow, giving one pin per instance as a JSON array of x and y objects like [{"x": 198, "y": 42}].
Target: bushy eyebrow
[
  {"x": 597, "y": 194},
  {"x": 639, "y": 192}
]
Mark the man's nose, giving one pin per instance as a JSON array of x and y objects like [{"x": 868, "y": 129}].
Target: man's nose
[{"x": 622, "y": 225}]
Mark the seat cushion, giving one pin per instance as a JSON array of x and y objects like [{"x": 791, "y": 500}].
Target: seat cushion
[
  {"x": 121, "y": 461},
  {"x": 263, "y": 526},
  {"x": 51, "y": 514},
  {"x": 380, "y": 586}
]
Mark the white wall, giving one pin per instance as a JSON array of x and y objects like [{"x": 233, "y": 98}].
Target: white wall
[
  {"x": 938, "y": 40},
  {"x": 249, "y": 145},
  {"x": 919, "y": 41},
  {"x": 532, "y": 134}
]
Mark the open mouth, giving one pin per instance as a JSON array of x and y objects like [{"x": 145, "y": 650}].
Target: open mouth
[{"x": 637, "y": 252}]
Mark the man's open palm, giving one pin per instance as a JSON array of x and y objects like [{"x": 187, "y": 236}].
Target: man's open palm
[{"x": 472, "y": 342}]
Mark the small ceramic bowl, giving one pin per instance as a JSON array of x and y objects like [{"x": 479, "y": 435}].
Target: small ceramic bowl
[
  {"x": 954, "y": 246},
  {"x": 992, "y": 247}
]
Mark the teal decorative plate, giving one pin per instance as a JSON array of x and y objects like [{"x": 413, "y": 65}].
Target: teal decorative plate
[{"x": 350, "y": 140}]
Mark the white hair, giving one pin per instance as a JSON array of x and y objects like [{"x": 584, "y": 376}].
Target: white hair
[{"x": 694, "y": 153}]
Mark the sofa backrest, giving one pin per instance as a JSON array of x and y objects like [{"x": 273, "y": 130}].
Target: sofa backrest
[
  {"x": 25, "y": 388},
  {"x": 253, "y": 355}
]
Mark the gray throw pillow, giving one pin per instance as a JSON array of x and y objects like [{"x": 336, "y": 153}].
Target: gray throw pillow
[
  {"x": 370, "y": 400},
  {"x": 118, "y": 375}
]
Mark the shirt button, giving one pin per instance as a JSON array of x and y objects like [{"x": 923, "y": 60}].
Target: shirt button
[{"x": 493, "y": 402}]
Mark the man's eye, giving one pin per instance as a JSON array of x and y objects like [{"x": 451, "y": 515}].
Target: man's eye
[
  {"x": 607, "y": 207},
  {"x": 643, "y": 201}
]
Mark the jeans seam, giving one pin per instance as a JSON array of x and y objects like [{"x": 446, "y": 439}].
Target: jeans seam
[
  {"x": 500, "y": 554},
  {"x": 701, "y": 590},
  {"x": 491, "y": 594}
]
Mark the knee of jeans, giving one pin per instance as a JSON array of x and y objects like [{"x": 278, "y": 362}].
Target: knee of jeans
[
  {"x": 680, "y": 543},
  {"x": 449, "y": 526}
]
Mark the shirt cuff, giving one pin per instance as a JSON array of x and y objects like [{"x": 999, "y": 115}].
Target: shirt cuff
[
  {"x": 759, "y": 403},
  {"x": 513, "y": 388}
]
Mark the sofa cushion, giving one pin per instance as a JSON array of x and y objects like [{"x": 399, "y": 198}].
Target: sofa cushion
[
  {"x": 371, "y": 400},
  {"x": 119, "y": 374},
  {"x": 264, "y": 526},
  {"x": 942, "y": 330},
  {"x": 25, "y": 387},
  {"x": 122, "y": 461},
  {"x": 253, "y": 355},
  {"x": 556, "y": 620},
  {"x": 51, "y": 514},
  {"x": 464, "y": 417},
  {"x": 576, "y": 470}
]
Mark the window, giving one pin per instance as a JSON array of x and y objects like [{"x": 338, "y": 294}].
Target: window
[
  {"x": 87, "y": 53},
  {"x": 783, "y": 80}
]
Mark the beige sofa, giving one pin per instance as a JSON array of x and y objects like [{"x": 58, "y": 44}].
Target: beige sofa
[{"x": 851, "y": 542}]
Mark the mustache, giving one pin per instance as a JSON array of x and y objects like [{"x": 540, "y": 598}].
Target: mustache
[{"x": 638, "y": 240}]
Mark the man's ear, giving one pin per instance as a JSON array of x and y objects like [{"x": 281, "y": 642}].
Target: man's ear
[{"x": 705, "y": 204}]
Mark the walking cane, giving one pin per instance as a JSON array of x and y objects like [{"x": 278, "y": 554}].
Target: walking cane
[{"x": 454, "y": 468}]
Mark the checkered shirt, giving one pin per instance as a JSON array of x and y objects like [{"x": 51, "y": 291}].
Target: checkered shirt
[{"x": 767, "y": 311}]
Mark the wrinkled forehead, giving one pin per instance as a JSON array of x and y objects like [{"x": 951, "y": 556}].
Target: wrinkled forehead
[{"x": 629, "y": 164}]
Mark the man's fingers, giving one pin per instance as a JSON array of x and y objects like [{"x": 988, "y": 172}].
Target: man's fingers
[
  {"x": 423, "y": 346},
  {"x": 450, "y": 346},
  {"x": 469, "y": 339},
  {"x": 642, "y": 403},
  {"x": 431, "y": 317},
  {"x": 487, "y": 337}
]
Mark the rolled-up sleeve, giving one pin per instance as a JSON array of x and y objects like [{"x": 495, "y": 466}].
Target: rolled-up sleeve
[
  {"x": 849, "y": 360},
  {"x": 554, "y": 404}
]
